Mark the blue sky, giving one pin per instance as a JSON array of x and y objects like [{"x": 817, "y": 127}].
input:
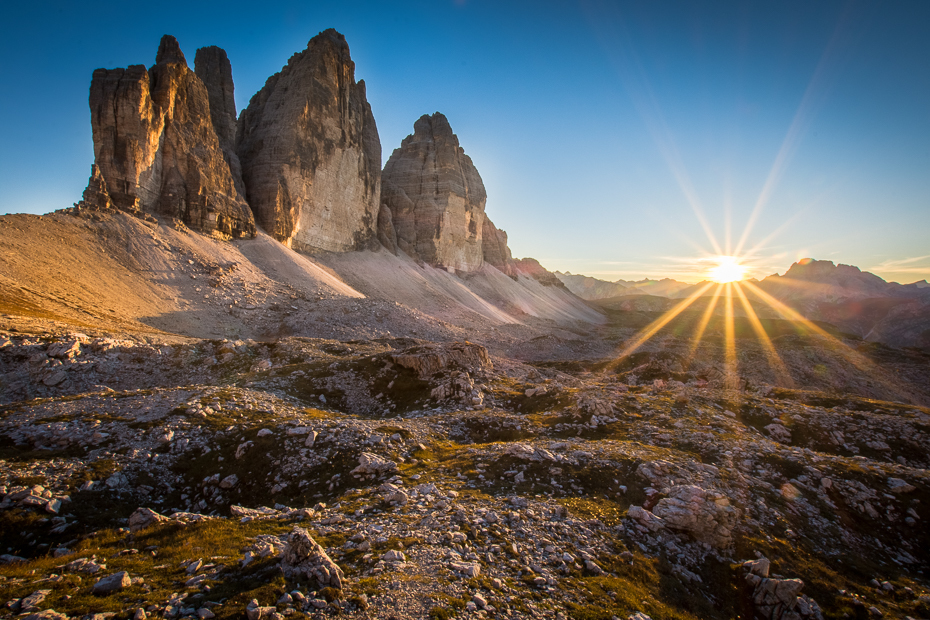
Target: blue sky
[{"x": 611, "y": 136}]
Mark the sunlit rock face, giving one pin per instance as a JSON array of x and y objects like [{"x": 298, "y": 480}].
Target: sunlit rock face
[
  {"x": 436, "y": 197},
  {"x": 495, "y": 249},
  {"x": 156, "y": 146},
  {"x": 310, "y": 152}
]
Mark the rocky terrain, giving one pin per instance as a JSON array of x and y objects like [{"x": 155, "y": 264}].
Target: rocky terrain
[
  {"x": 365, "y": 407},
  {"x": 391, "y": 477}
]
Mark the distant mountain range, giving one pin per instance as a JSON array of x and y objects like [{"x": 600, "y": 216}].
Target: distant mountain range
[
  {"x": 855, "y": 301},
  {"x": 590, "y": 288}
]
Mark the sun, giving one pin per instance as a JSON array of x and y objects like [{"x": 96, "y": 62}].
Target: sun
[{"x": 727, "y": 269}]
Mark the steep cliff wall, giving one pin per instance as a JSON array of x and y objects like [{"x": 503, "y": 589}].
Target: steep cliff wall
[
  {"x": 436, "y": 197},
  {"x": 310, "y": 152},
  {"x": 156, "y": 146}
]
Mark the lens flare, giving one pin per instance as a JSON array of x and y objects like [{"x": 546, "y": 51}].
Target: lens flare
[{"x": 727, "y": 269}]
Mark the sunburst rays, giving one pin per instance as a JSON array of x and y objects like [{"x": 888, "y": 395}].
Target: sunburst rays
[
  {"x": 742, "y": 291},
  {"x": 731, "y": 259}
]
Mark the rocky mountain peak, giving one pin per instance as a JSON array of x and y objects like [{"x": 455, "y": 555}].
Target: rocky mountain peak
[
  {"x": 169, "y": 51},
  {"x": 825, "y": 272},
  {"x": 310, "y": 152},
  {"x": 436, "y": 197},
  {"x": 157, "y": 148},
  {"x": 433, "y": 128},
  {"x": 213, "y": 68}
]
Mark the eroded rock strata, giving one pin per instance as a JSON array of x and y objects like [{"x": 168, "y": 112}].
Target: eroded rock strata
[
  {"x": 310, "y": 152},
  {"x": 156, "y": 146}
]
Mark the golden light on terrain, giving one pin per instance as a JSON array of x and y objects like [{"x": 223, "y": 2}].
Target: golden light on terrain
[
  {"x": 727, "y": 269},
  {"x": 747, "y": 293}
]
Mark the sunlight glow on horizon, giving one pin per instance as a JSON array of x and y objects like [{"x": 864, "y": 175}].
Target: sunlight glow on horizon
[{"x": 728, "y": 269}]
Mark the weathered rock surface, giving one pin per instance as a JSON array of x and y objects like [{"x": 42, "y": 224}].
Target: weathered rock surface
[
  {"x": 112, "y": 583},
  {"x": 778, "y": 599},
  {"x": 310, "y": 152},
  {"x": 32, "y": 602},
  {"x": 494, "y": 247},
  {"x": 436, "y": 197},
  {"x": 303, "y": 556},
  {"x": 427, "y": 360},
  {"x": 96, "y": 196},
  {"x": 708, "y": 516},
  {"x": 372, "y": 464},
  {"x": 387, "y": 234},
  {"x": 213, "y": 68},
  {"x": 144, "y": 517},
  {"x": 157, "y": 149}
]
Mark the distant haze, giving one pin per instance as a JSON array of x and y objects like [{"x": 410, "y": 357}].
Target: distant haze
[{"x": 604, "y": 131}]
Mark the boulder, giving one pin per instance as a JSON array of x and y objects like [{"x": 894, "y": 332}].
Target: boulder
[
  {"x": 310, "y": 152},
  {"x": 229, "y": 481},
  {"x": 900, "y": 486},
  {"x": 45, "y": 614},
  {"x": 778, "y": 599},
  {"x": 436, "y": 197},
  {"x": 156, "y": 148},
  {"x": 32, "y": 602},
  {"x": 429, "y": 359},
  {"x": 645, "y": 518},
  {"x": 304, "y": 557},
  {"x": 706, "y": 515},
  {"x": 144, "y": 517},
  {"x": 394, "y": 555},
  {"x": 369, "y": 464},
  {"x": 112, "y": 583}
]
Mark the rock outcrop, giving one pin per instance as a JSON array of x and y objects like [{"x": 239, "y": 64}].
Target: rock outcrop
[
  {"x": 96, "y": 197},
  {"x": 706, "y": 515},
  {"x": 531, "y": 268},
  {"x": 157, "y": 149},
  {"x": 495, "y": 249},
  {"x": 426, "y": 360},
  {"x": 304, "y": 557},
  {"x": 436, "y": 197},
  {"x": 778, "y": 599},
  {"x": 310, "y": 152},
  {"x": 387, "y": 234}
]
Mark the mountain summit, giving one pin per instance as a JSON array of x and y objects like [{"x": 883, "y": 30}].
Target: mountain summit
[
  {"x": 310, "y": 152},
  {"x": 156, "y": 149}
]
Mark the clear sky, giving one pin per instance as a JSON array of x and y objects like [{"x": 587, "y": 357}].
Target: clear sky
[{"x": 611, "y": 136}]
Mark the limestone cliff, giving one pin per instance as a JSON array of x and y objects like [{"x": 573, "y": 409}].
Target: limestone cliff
[
  {"x": 310, "y": 152},
  {"x": 156, "y": 146},
  {"x": 495, "y": 249},
  {"x": 436, "y": 197},
  {"x": 213, "y": 68}
]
